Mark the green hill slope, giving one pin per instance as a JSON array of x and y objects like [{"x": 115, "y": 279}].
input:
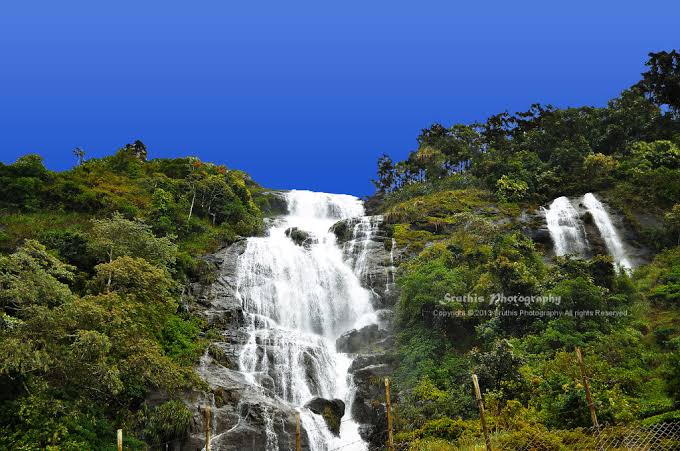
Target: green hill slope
[{"x": 460, "y": 207}]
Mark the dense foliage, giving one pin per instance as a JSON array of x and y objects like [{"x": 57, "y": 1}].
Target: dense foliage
[
  {"x": 92, "y": 265},
  {"x": 456, "y": 210}
]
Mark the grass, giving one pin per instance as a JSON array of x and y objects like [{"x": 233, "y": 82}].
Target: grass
[
  {"x": 16, "y": 227},
  {"x": 439, "y": 205}
]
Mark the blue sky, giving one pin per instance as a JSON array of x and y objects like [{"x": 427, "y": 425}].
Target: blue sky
[{"x": 302, "y": 94}]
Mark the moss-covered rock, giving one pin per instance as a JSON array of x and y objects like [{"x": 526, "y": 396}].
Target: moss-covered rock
[
  {"x": 300, "y": 237},
  {"x": 332, "y": 412}
]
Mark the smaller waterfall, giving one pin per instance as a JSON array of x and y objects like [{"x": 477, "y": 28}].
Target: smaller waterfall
[
  {"x": 566, "y": 228},
  {"x": 389, "y": 285},
  {"x": 364, "y": 230},
  {"x": 608, "y": 232}
]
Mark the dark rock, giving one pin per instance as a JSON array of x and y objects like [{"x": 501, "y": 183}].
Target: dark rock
[
  {"x": 273, "y": 203},
  {"x": 225, "y": 354},
  {"x": 342, "y": 231},
  {"x": 596, "y": 244},
  {"x": 533, "y": 225},
  {"x": 371, "y": 372},
  {"x": 356, "y": 341},
  {"x": 300, "y": 237},
  {"x": 385, "y": 318},
  {"x": 218, "y": 302},
  {"x": 540, "y": 235},
  {"x": 368, "y": 408},
  {"x": 629, "y": 228},
  {"x": 366, "y": 360},
  {"x": 241, "y": 413},
  {"x": 369, "y": 238},
  {"x": 368, "y": 372},
  {"x": 332, "y": 412}
]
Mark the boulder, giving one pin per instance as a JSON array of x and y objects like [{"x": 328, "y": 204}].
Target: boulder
[
  {"x": 342, "y": 231},
  {"x": 368, "y": 409},
  {"x": 332, "y": 412},
  {"x": 357, "y": 340},
  {"x": 300, "y": 237},
  {"x": 366, "y": 360}
]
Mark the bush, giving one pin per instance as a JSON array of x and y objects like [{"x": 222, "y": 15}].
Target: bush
[
  {"x": 166, "y": 422},
  {"x": 508, "y": 189}
]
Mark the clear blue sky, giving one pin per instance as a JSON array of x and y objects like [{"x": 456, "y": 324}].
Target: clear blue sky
[{"x": 303, "y": 94}]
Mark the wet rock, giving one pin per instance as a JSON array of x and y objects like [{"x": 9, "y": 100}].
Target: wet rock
[
  {"x": 242, "y": 414},
  {"x": 534, "y": 226},
  {"x": 342, "y": 231},
  {"x": 300, "y": 237},
  {"x": 368, "y": 408},
  {"x": 245, "y": 416},
  {"x": 332, "y": 412},
  {"x": 225, "y": 354},
  {"x": 628, "y": 228},
  {"x": 366, "y": 360},
  {"x": 358, "y": 340},
  {"x": 385, "y": 318},
  {"x": 368, "y": 247},
  {"x": 273, "y": 203},
  {"x": 596, "y": 244},
  {"x": 218, "y": 302}
]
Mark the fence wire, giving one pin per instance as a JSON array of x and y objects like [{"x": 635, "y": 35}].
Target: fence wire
[{"x": 657, "y": 437}]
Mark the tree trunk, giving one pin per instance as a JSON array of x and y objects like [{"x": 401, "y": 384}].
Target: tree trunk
[
  {"x": 191, "y": 209},
  {"x": 108, "y": 282}
]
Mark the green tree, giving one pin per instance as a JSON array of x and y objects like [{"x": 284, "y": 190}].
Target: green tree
[
  {"x": 662, "y": 80},
  {"x": 22, "y": 184},
  {"x": 150, "y": 292},
  {"x": 499, "y": 369},
  {"x": 31, "y": 277},
  {"x": 118, "y": 236},
  {"x": 508, "y": 189},
  {"x": 79, "y": 153},
  {"x": 386, "y": 174},
  {"x": 673, "y": 221},
  {"x": 115, "y": 237}
]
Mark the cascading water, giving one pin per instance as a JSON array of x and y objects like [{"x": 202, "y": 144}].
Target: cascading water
[
  {"x": 566, "y": 228},
  {"x": 298, "y": 299},
  {"x": 389, "y": 285},
  {"x": 607, "y": 231}
]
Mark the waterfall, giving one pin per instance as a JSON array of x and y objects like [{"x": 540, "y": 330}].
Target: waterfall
[
  {"x": 364, "y": 230},
  {"x": 389, "y": 285},
  {"x": 298, "y": 299},
  {"x": 566, "y": 228},
  {"x": 607, "y": 230}
]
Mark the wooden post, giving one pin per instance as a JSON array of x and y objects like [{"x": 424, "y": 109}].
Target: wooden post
[
  {"x": 586, "y": 386},
  {"x": 298, "y": 445},
  {"x": 208, "y": 427},
  {"x": 120, "y": 439},
  {"x": 388, "y": 403},
  {"x": 480, "y": 405}
]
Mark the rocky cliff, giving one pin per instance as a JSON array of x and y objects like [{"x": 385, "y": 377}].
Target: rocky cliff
[{"x": 241, "y": 410}]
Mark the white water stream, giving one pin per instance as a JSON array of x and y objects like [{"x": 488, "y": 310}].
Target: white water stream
[
  {"x": 608, "y": 232},
  {"x": 566, "y": 228},
  {"x": 568, "y": 233},
  {"x": 298, "y": 300}
]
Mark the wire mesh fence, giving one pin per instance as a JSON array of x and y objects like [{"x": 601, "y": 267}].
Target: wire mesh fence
[{"x": 661, "y": 437}]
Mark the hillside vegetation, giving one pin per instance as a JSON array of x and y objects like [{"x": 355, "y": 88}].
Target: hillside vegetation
[
  {"x": 457, "y": 209},
  {"x": 95, "y": 334},
  {"x": 92, "y": 266}
]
